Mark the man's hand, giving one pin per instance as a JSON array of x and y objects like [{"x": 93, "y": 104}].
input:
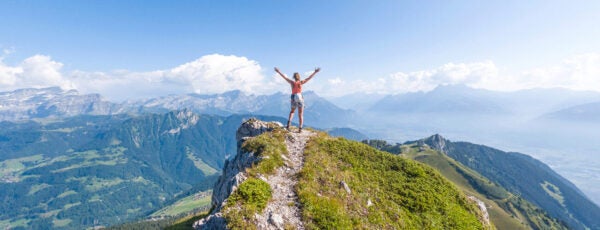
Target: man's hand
[
  {"x": 317, "y": 69},
  {"x": 276, "y": 70}
]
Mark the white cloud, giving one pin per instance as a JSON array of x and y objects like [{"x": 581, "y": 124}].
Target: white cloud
[
  {"x": 208, "y": 74},
  {"x": 36, "y": 71},
  {"x": 581, "y": 72},
  {"x": 219, "y": 73},
  {"x": 424, "y": 80}
]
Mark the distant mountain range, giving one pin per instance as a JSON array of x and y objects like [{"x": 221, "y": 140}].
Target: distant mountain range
[
  {"x": 25, "y": 104},
  {"x": 465, "y": 100},
  {"x": 589, "y": 112},
  {"x": 511, "y": 120},
  {"x": 53, "y": 102}
]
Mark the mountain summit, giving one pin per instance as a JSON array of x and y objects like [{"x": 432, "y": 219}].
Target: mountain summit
[{"x": 281, "y": 179}]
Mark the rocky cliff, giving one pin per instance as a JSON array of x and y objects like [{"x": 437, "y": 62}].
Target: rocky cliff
[{"x": 234, "y": 172}]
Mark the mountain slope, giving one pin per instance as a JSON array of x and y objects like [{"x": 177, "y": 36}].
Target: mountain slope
[
  {"x": 586, "y": 112},
  {"x": 99, "y": 173},
  {"x": 443, "y": 99},
  {"x": 464, "y": 100},
  {"x": 64, "y": 173},
  {"x": 322, "y": 112},
  {"x": 343, "y": 184},
  {"x": 506, "y": 210},
  {"x": 522, "y": 175},
  {"x": 26, "y": 104}
]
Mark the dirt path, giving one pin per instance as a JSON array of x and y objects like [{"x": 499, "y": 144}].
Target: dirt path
[{"x": 283, "y": 209}]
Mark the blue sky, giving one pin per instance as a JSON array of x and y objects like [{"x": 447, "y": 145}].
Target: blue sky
[{"x": 421, "y": 43}]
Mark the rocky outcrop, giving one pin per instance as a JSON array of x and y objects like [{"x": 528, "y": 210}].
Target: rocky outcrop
[
  {"x": 485, "y": 215},
  {"x": 436, "y": 142},
  {"x": 234, "y": 172}
]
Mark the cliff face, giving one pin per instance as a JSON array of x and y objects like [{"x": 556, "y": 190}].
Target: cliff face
[{"x": 234, "y": 172}]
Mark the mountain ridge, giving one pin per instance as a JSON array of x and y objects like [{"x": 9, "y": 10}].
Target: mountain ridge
[
  {"x": 242, "y": 196},
  {"x": 48, "y": 103},
  {"x": 555, "y": 194}
]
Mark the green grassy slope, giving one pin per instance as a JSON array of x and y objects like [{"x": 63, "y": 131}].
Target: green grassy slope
[
  {"x": 189, "y": 204},
  {"x": 528, "y": 177},
  {"x": 506, "y": 210},
  {"x": 387, "y": 191}
]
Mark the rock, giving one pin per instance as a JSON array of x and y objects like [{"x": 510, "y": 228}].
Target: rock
[
  {"x": 254, "y": 127},
  {"x": 345, "y": 186},
  {"x": 215, "y": 221},
  {"x": 369, "y": 203},
  {"x": 234, "y": 172},
  {"x": 436, "y": 142},
  {"x": 481, "y": 205},
  {"x": 276, "y": 220}
]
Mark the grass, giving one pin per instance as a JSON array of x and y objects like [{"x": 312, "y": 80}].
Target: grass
[
  {"x": 206, "y": 169},
  {"x": 253, "y": 194},
  {"x": 68, "y": 206},
  {"x": 187, "y": 222},
  {"x": 506, "y": 211},
  {"x": 95, "y": 184},
  {"x": 250, "y": 198},
  {"x": 11, "y": 169},
  {"x": 8, "y": 224},
  {"x": 269, "y": 147},
  {"x": 37, "y": 187},
  {"x": 554, "y": 192},
  {"x": 112, "y": 156},
  {"x": 184, "y": 206},
  {"x": 57, "y": 223},
  {"x": 405, "y": 194},
  {"x": 66, "y": 193}
]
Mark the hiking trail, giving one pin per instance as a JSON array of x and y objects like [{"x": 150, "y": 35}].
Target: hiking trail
[{"x": 283, "y": 208}]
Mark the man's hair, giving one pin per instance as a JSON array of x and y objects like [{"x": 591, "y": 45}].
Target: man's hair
[{"x": 296, "y": 76}]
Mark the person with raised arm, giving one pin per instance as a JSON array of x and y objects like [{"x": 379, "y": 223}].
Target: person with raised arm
[{"x": 296, "y": 98}]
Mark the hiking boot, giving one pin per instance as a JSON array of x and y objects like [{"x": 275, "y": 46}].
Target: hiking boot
[
  {"x": 288, "y": 126},
  {"x": 300, "y": 130}
]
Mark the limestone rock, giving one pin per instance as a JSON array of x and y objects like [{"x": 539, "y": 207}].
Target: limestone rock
[
  {"x": 345, "y": 186},
  {"x": 234, "y": 172}
]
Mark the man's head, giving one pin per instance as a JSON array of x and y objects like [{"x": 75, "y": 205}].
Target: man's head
[{"x": 296, "y": 76}]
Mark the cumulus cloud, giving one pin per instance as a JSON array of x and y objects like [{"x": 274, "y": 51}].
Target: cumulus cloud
[
  {"x": 206, "y": 75},
  {"x": 36, "y": 71},
  {"x": 581, "y": 72},
  {"x": 219, "y": 73},
  {"x": 424, "y": 80}
]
